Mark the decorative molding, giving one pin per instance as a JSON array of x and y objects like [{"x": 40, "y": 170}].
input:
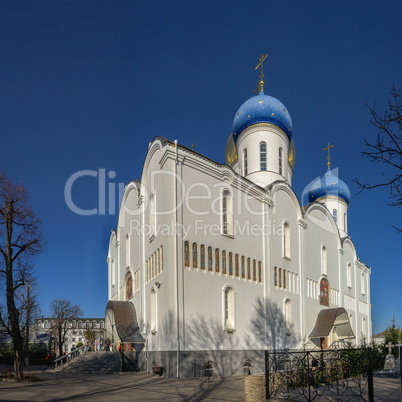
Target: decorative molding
[{"x": 340, "y": 251}]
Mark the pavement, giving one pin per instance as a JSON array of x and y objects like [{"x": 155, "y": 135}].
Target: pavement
[{"x": 62, "y": 386}]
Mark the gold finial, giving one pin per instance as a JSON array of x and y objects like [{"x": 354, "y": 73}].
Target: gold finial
[
  {"x": 260, "y": 87},
  {"x": 329, "y": 146}
]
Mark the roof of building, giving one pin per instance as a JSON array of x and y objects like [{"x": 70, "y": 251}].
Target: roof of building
[
  {"x": 262, "y": 109},
  {"x": 327, "y": 185}
]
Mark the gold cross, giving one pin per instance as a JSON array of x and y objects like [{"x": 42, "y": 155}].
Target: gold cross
[
  {"x": 329, "y": 146},
  {"x": 260, "y": 65}
]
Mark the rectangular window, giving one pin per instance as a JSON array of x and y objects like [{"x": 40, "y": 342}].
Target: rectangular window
[
  {"x": 276, "y": 276},
  {"x": 223, "y": 262},
  {"x": 259, "y": 271},
  {"x": 195, "y": 255},
  {"x": 237, "y": 265},
  {"x": 209, "y": 258},
  {"x": 245, "y": 166},
  {"x": 202, "y": 256},
  {"x": 243, "y": 267},
  {"x": 284, "y": 278},
  {"x": 280, "y": 277},
  {"x": 186, "y": 254},
  {"x": 217, "y": 267},
  {"x": 249, "y": 269},
  {"x": 231, "y": 264}
]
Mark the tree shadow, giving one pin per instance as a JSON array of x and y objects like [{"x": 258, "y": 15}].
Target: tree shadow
[{"x": 268, "y": 328}]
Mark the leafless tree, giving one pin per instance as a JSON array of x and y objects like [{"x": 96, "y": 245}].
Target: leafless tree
[
  {"x": 21, "y": 240},
  {"x": 62, "y": 313},
  {"x": 386, "y": 149}
]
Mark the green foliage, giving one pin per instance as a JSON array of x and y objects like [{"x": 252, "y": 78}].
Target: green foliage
[
  {"x": 79, "y": 344},
  {"x": 393, "y": 334}
]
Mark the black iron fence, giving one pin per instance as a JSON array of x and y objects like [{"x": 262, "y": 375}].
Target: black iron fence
[{"x": 324, "y": 375}]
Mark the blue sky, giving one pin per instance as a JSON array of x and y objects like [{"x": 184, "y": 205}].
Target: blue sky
[{"x": 87, "y": 85}]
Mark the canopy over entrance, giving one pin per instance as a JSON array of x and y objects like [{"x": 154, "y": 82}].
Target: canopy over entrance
[
  {"x": 121, "y": 322},
  {"x": 333, "y": 320}
]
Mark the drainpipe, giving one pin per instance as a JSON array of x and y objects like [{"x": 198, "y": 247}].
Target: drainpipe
[{"x": 177, "y": 263}]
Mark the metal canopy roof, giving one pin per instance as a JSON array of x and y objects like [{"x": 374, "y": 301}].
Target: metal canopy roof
[
  {"x": 125, "y": 320},
  {"x": 330, "y": 318}
]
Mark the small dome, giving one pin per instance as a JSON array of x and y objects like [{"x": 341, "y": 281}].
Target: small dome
[
  {"x": 328, "y": 185},
  {"x": 231, "y": 152},
  {"x": 262, "y": 109}
]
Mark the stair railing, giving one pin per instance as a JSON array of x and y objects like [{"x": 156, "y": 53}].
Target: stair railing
[{"x": 70, "y": 356}]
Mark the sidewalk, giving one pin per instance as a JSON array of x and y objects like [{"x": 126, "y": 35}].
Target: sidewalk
[{"x": 59, "y": 386}]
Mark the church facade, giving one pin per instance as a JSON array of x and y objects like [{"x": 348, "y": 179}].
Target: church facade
[{"x": 212, "y": 263}]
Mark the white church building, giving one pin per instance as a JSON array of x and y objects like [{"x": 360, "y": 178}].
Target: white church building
[{"x": 210, "y": 264}]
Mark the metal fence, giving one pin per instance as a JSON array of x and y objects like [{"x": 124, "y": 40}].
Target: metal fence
[{"x": 324, "y": 375}]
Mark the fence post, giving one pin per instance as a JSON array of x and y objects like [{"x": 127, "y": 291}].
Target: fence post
[
  {"x": 267, "y": 393},
  {"x": 370, "y": 374}
]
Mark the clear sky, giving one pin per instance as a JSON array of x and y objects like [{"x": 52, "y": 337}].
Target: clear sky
[{"x": 85, "y": 85}]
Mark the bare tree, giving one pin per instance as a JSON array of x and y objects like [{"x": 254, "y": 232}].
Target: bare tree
[
  {"x": 387, "y": 148},
  {"x": 62, "y": 313},
  {"x": 20, "y": 241}
]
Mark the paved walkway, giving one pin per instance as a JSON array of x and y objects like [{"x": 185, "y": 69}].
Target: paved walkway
[{"x": 59, "y": 386}]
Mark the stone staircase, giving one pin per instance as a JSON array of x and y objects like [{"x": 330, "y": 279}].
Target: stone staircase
[{"x": 94, "y": 362}]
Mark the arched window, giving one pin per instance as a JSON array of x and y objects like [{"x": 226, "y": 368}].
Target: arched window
[
  {"x": 280, "y": 277},
  {"x": 186, "y": 254},
  {"x": 324, "y": 260},
  {"x": 195, "y": 255},
  {"x": 152, "y": 213},
  {"x": 229, "y": 308},
  {"x": 349, "y": 275},
  {"x": 87, "y": 324},
  {"x": 254, "y": 270},
  {"x": 129, "y": 286},
  {"x": 237, "y": 265},
  {"x": 101, "y": 325},
  {"x": 113, "y": 273},
  {"x": 217, "y": 265},
  {"x": 127, "y": 251},
  {"x": 247, "y": 367},
  {"x": 325, "y": 292},
  {"x": 224, "y": 262},
  {"x": 209, "y": 258},
  {"x": 202, "y": 256},
  {"x": 284, "y": 278},
  {"x": 288, "y": 317},
  {"x": 153, "y": 311},
  {"x": 208, "y": 370},
  {"x": 281, "y": 161},
  {"x": 286, "y": 240},
  {"x": 276, "y": 276},
  {"x": 231, "y": 264},
  {"x": 227, "y": 213},
  {"x": 263, "y": 156},
  {"x": 363, "y": 284},
  {"x": 335, "y": 215},
  {"x": 94, "y": 324},
  {"x": 245, "y": 166},
  {"x": 364, "y": 328},
  {"x": 243, "y": 266}
]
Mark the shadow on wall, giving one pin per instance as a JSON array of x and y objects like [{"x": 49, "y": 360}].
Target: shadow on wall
[{"x": 269, "y": 329}]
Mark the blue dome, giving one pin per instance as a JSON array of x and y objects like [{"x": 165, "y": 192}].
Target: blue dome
[
  {"x": 328, "y": 185},
  {"x": 262, "y": 109}
]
